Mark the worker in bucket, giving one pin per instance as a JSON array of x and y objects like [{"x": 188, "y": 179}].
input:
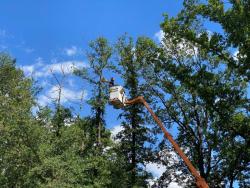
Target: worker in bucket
[{"x": 112, "y": 82}]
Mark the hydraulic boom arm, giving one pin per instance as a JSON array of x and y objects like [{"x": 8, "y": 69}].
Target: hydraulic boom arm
[{"x": 200, "y": 182}]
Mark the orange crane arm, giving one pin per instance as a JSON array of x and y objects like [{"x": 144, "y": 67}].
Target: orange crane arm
[{"x": 200, "y": 182}]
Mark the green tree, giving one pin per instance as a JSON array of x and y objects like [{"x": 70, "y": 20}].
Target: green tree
[
  {"x": 233, "y": 17},
  {"x": 19, "y": 134},
  {"x": 103, "y": 162},
  {"x": 135, "y": 134},
  {"x": 199, "y": 92},
  {"x": 72, "y": 159},
  {"x": 99, "y": 55}
]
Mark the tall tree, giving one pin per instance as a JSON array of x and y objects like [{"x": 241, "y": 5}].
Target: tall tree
[
  {"x": 200, "y": 93},
  {"x": 19, "y": 134},
  {"x": 99, "y": 55},
  {"x": 233, "y": 17},
  {"x": 135, "y": 134},
  {"x": 72, "y": 159}
]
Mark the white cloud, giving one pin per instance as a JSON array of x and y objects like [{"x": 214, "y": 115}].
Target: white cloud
[
  {"x": 44, "y": 74},
  {"x": 43, "y": 100},
  {"x": 40, "y": 69},
  {"x": 156, "y": 169},
  {"x": 151, "y": 182},
  {"x": 171, "y": 158},
  {"x": 115, "y": 130},
  {"x": 159, "y": 35},
  {"x": 71, "y": 51},
  {"x": 67, "y": 95},
  {"x": 238, "y": 56},
  {"x": 66, "y": 67},
  {"x": 179, "y": 48},
  {"x": 188, "y": 48},
  {"x": 29, "y": 70},
  {"x": 174, "y": 185},
  {"x": 235, "y": 55},
  {"x": 183, "y": 46}
]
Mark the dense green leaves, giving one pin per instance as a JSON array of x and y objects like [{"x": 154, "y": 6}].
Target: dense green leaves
[
  {"x": 19, "y": 133},
  {"x": 202, "y": 88},
  {"x": 136, "y": 134},
  {"x": 99, "y": 56},
  {"x": 194, "y": 80}
]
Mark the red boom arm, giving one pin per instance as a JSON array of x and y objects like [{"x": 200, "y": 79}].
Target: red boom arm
[{"x": 200, "y": 182}]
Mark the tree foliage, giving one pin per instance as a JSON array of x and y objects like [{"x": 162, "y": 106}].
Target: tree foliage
[
  {"x": 99, "y": 56},
  {"x": 19, "y": 140},
  {"x": 196, "y": 80},
  {"x": 135, "y": 134},
  {"x": 203, "y": 91}
]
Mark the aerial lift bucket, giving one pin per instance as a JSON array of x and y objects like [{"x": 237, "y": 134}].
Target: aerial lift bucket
[
  {"x": 118, "y": 99},
  {"x": 117, "y": 96}
]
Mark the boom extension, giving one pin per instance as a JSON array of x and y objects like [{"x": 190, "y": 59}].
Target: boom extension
[{"x": 200, "y": 182}]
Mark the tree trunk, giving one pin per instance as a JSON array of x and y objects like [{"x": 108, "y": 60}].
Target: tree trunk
[
  {"x": 99, "y": 112},
  {"x": 98, "y": 126},
  {"x": 99, "y": 133},
  {"x": 133, "y": 178},
  {"x": 231, "y": 183}
]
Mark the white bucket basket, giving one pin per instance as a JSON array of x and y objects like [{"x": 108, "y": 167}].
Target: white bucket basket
[{"x": 117, "y": 96}]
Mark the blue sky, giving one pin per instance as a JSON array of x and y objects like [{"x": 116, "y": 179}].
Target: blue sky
[
  {"x": 48, "y": 26},
  {"x": 43, "y": 33}
]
